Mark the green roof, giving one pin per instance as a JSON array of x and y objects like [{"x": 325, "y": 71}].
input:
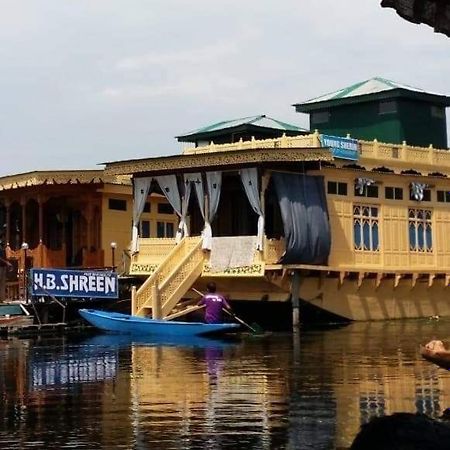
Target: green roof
[
  {"x": 261, "y": 121},
  {"x": 367, "y": 90}
]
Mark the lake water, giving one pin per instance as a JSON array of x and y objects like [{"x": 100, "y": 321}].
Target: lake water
[{"x": 279, "y": 391}]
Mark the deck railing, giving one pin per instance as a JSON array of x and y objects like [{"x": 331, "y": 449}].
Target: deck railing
[{"x": 373, "y": 150}]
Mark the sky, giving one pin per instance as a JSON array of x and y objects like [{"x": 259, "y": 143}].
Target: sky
[{"x": 88, "y": 81}]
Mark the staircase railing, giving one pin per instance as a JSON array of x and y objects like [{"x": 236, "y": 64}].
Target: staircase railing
[{"x": 170, "y": 281}]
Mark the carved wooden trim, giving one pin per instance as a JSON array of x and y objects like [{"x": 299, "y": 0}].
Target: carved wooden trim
[{"x": 222, "y": 159}]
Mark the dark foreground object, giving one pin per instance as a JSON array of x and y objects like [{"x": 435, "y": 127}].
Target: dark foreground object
[{"x": 403, "y": 431}]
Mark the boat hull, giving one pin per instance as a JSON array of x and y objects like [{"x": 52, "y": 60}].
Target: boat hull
[{"x": 124, "y": 323}]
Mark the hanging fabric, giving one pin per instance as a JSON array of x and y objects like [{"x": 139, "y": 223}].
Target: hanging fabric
[
  {"x": 196, "y": 180},
  {"x": 249, "y": 178},
  {"x": 169, "y": 187},
  {"x": 417, "y": 190},
  {"x": 140, "y": 193},
  {"x": 183, "y": 228},
  {"x": 361, "y": 184},
  {"x": 214, "y": 185},
  {"x": 304, "y": 212}
]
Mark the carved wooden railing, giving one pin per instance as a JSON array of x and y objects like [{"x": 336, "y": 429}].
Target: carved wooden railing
[
  {"x": 309, "y": 140},
  {"x": 152, "y": 252},
  {"x": 171, "y": 280}
]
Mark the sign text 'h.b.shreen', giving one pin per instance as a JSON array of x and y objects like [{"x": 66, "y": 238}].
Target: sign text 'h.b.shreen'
[{"x": 74, "y": 283}]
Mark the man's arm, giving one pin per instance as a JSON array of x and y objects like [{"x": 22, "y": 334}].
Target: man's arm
[{"x": 226, "y": 305}]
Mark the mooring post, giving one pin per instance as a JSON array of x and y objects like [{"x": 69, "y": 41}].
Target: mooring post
[
  {"x": 295, "y": 288},
  {"x": 133, "y": 300}
]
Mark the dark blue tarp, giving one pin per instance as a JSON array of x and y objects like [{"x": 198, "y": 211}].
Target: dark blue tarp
[{"x": 304, "y": 213}]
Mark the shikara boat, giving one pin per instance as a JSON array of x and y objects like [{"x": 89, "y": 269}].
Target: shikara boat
[{"x": 124, "y": 323}]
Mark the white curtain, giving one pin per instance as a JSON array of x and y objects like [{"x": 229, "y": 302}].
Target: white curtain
[
  {"x": 249, "y": 178},
  {"x": 183, "y": 229},
  {"x": 214, "y": 184},
  {"x": 140, "y": 193},
  {"x": 417, "y": 190},
  {"x": 169, "y": 187}
]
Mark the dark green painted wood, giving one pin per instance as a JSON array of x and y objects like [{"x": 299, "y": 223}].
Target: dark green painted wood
[{"x": 413, "y": 122}]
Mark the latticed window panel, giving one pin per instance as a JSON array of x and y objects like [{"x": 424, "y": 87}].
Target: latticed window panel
[
  {"x": 420, "y": 229},
  {"x": 366, "y": 228}
]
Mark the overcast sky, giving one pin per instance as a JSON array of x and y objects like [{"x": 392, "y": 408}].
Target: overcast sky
[{"x": 88, "y": 81}]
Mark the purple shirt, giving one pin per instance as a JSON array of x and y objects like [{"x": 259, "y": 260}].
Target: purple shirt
[{"x": 214, "y": 304}]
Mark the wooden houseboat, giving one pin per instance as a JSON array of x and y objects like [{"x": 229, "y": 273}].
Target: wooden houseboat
[
  {"x": 353, "y": 225},
  {"x": 77, "y": 218}
]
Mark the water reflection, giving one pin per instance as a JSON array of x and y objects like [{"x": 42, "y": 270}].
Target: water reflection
[{"x": 268, "y": 392}]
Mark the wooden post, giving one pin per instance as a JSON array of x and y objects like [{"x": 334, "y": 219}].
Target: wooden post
[
  {"x": 156, "y": 304},
  {"x": 295, "y": 287},
  {"x": 133, "y": 300},
  {"x": 8, "y": 221},
  {"x": 23, "y": 204}
]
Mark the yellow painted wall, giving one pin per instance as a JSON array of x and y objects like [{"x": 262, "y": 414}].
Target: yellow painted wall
[
  {"x": 394, "y": 252},
  {"x": 116, "y": 225}
]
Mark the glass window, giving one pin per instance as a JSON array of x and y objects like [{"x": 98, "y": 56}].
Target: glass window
[
  {"x": 117, "y": 205},
  {"x": 165, "y": 208},
  {"x": 393, "y": 193},
  {"x": 332, "y": 187},
  {"x": 420, "y": 230},
  {"x": 170, "y": 230},
  {"x": 369, "y": 191},
  {"x": 147, "y": 207},
  {"x": 165, "y": 229},
  {"x": 366, "y": 228},
  {"x": 145, "y": 228},
  {"x": 337, "y": 188},
  {"x": 443, "y": 196}
]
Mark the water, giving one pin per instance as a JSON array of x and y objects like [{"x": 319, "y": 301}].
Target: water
[{"x": 270, "y": 392}]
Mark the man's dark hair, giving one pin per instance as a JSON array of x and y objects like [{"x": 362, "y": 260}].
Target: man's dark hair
[
  {"x": 211, "y": 287},
  {"x": 403, "y": 431}
]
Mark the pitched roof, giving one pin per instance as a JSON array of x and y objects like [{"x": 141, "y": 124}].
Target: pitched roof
[
  {"x": 51, "y": 177},
  {"x": 367, "y": 90},
  {"x": 261, "y": 121}
]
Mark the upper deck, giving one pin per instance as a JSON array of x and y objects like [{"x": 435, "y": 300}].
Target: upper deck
[{"x": 372, "y": 154}]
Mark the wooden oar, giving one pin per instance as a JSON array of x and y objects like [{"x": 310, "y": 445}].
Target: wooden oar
[{"x": 234, "y": 316}]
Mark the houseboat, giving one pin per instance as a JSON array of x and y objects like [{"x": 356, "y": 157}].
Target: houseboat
[
  {"x": 77, "y": 219},
  {"x": 352, "y": 218}
]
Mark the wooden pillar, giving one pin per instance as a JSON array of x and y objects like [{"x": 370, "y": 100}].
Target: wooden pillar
[
  {"x": 41, "y": 219},
  {"x": 8, "y": 220},
  {"x": 89, "y": 224},
  {"x": 23, "y": 204},
  {"x": 295, "y": 288},
  {"x": 156, "y": 303},
  {"x": 40, "y": 201}
]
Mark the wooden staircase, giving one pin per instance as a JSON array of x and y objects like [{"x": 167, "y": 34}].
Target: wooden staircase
[{"x": 161, "y": 292}]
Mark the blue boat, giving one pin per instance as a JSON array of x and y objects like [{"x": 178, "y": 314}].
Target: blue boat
[{"x": 126, "y": 324}]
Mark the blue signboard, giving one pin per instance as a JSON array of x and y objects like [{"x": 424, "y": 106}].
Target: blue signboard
[
  {"x": 342, "y": 148},
  {"x": 74, "y": 283}
]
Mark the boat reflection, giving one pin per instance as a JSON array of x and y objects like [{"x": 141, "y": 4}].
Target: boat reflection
[{"x": 111, "y": 340}]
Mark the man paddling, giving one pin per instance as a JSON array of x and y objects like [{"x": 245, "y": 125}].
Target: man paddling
[{"x": 214, "y": 304}]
